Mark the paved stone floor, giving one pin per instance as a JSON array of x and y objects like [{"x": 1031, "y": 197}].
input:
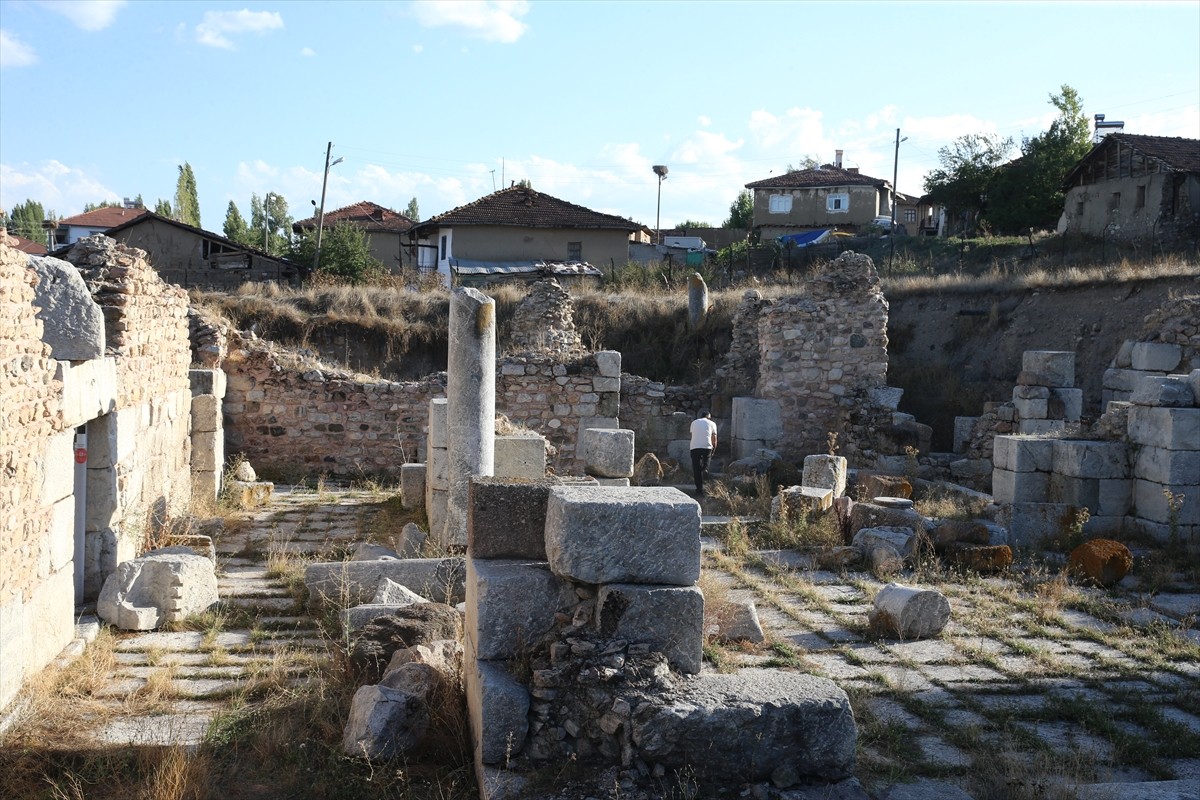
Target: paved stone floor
[{"x": 1033, "y": 682}]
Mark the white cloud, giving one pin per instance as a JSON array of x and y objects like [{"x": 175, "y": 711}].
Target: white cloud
[
  {"x": 307, "y": 52},
  {"x": 1183, "y": 122},
  {"x": 799, "y": 131},
  {"x": 58, "y": 187},
  {"x": 491, "y": 20},
  {"x": 418, "y": 48},
  {"x": 217, "y": 26},
  {"x": 91, "y": 15},
  {"x": 703, "y": 121},
  {"x": 14, "y": 52}
]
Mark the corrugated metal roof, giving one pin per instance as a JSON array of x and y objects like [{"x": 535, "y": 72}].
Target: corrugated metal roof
[{"x": 466, "y": 266}]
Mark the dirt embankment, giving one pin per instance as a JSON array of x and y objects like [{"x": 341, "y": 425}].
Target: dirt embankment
[{"x": 951, "y": 350}]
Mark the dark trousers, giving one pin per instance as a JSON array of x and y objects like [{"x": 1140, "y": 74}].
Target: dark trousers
[{"x": 700, "y": 458}]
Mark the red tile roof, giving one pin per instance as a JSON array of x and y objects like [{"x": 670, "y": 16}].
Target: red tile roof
[
  {"x": 107, "y": 217},
  {"x": 813, "y": 178},
  {"x": 369, "y": 216},
  {"x": 29, "y": 246},
  {"x": 518, "y": 206},
  {"x": 1175, "y": 153}
]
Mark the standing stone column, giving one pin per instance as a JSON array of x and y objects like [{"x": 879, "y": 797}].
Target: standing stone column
[
  {"x": 697, "y": 301},
  {"x": 471, "y": 392}
]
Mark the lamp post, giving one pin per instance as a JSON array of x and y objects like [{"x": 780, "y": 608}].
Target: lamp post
[
  {"x": 321, "y": 211},
  {"x": 895, "y": 174},
  {"x": 661, "y": 172},
  {"x": 267, "y": 222}
]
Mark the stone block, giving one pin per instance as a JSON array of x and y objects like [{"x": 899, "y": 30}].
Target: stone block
[
  {"x": 352, "y": 583},
  {"x": 112, "y": 437},
  {"x": 737, "y": 621},
  {"x": 506, "y": 518},
  {"x": 436, "y": 501},
  {"x": 825, "y": 472},
  {"x": 1031, "y": 409},
  {"x": 681, "y": 450},
  {"x": 439, "y": 410},
  {"x": 520, "y": 457},
  {"x": 1020, "y": 487},
  {"x": 1168, "y": 391},
  {"x": 208, "y": 451},
  {"x": 72, "y": 322},
  {"x": 1164, "y": 466},
  {"x": 162, "y": 586},
  {"x": 58, "y": 463},
  {"x": 668, "y": 618},
  {"x": 870, "y": 515},
  {"x": 1124, "y": 356},
  {"x": 1065, "y": 404},
  {"x": 103, "y": 500},
  {"x": 207, "y": 381},
  {"x": 963, "y": 426},
  {"x": 614, "y": 482},
  {"x": 89, "y": 389},
  {"x": 1150, "y": 502},
  {"x": 1158, "y": 356},
  {"x": 1084, "y": 492},
  {"x": 248, "y": 494},
  {"x": 794, "y": 502},
  {"x": 60, "y": 538},
  {"x": 609, "y": 452},
  {"x": 587, "y": 423},
  {"x": 1193, "y": 381},
  {"x": 1167, "y": 428},
  {"x": 757, "y": 420},
  {"x": 437, "y": 467},
  {"x": 1104, "y": 526},
  {"x": 49, "y": 616},
  {"x": 885, "y": 396},
  {"x": 511, "y": 605},
  {"x": 642, "y": 534},
  {"x": 744, "y": 448},
  {"x": 206, "y": 414},
  {"x": 1041, "y": 427},
  {"x": 1020, "y": 392},
  {"x": 1023, "y": 453},
  {"x": 1090, "y": 459},
  {"x": 604, "y": 384},
  {"x": 498, "y": 709},
  {"x": 898, "y": 538},
  {"x": 907, "y": 612},
  {"x": 410, "y": 542},
  {"x": 746, "y": 726},
  {"x": 358, "y": 617},
  {"x": 412, "y": 485},
  {"x": 1123, "y": 380},
  {"x": 1052, "y": 368},
  {"x": 1030, "y": 524},
  {"x": 970, "y": 469},
  {"x": 608, "y": 363},
  {"x": 1113, "y": 498},
  {"x": 380, "y": 725}
]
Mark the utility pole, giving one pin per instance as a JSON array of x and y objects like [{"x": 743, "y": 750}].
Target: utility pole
[
  {"x": 267, "y": 222},
  {"x": 661, "y": 172},
  {"x": 321, "y": 211},
  {"x": 895, "y": 174}
]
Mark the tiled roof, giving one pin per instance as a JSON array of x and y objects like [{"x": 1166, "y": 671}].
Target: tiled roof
[
  {"x": 518, "y": 206},
  {"x": 107, "y": 217},
  {"x": 150, "y": 216},
  {"x": 813, "y": 178},
  {"x": 366, "y": 215},
  {"x": 29, "y": 246},
  {"x": 1174, "y": 152}
]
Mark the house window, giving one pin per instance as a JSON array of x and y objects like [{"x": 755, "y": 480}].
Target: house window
[
  {"x": 780, "y": 204},
  {"x": 442, "y": 250},
  {"x": 1079, "y": 208},
  {"x": 837, "y": 203},
  {"x": 910, "y": 215},
  {"x": 1141, "y": 198},
  {"x": 1114, "y": 202},
  {"x": 574, "y": 251}
]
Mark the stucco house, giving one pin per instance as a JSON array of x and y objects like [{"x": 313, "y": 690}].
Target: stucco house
[
  {"x": 1134, "y": 187},
  {"x": 193, "y": 257},
  {"x": 825, "y": 197},
  {"x": 520, "y": 232},
  {"x": 99, "y": 220},
  {"x": 386, "y": 231}
]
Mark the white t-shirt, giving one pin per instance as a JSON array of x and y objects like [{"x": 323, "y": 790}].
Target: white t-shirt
[{"x": 703, "y": 430}]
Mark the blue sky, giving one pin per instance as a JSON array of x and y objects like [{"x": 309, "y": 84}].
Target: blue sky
[{"x": 444, "y": 100}]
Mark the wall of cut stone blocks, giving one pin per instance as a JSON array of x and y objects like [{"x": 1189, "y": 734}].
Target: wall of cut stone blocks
[
  {"x": 134, "y": 404},
  {"x": 659, "y": 413}
]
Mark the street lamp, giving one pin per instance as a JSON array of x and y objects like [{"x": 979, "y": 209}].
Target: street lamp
[
  {"x": 661, "y": 172},
  {"x": 321, "y": 212},
  {"x": 895, "y": 173}
]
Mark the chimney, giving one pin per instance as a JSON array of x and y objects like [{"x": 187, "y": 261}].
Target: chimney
[{"x": 837, "y": 158}]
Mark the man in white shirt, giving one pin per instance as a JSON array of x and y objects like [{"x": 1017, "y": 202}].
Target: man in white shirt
[{"x": 704, "y": 442}]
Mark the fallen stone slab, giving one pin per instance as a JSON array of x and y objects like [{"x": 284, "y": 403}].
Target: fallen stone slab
[
  {"x": 907, "y": 612},
  {"x": 901, "y": 539},
  {"x": 737, "y": 621},
  {"x": 746, "y": 726},
  {"x": 369, "y": 551},
  {"x": 383, "y": 723},
  {"x": 389, "y": 592},
  {"x": 979, "y": 557},
  {"x": 359, "y": 617},
  {"x": 352, "y": 583},
  {"x": 1147, "y": 790},
  {"x": 162, "y": 586},
  {"x": 871, "y": 515},
  {"x": 248, "y": 494},
  {"x": 72, "y": 322},
  {"x": 422, "y": 623},
  {"x": 411, "y": 540}
]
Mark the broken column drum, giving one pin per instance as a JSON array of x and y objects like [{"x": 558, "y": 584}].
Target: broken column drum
[{"x": 471, "y": 395}]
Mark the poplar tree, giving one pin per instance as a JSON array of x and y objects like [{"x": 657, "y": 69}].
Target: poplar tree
[
  {"x": 187, "y": 204},
  {"x": 235, "y": 227}
]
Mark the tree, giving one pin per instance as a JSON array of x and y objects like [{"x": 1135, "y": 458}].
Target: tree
[
  {"x": 163, "y": 208},
  {"x": 412, "y": 210},
  {"x": 741, "y": 212},
  {"x": 345, "y": 254},
  {"x": 692, "y": 223},
  {"x": 102, "y": 204},
  {"x": 25, "y": 220},
  {"x": 187, "y": 204},
  {"x": 235, "y": 226},
  {"x": 808, "y": 162},
  {"x": 969, "y": 164},
  {"x": 1026, "y": 193},
  {"x": 525, "y": 183},
  {"x": 270, "y": 224}
]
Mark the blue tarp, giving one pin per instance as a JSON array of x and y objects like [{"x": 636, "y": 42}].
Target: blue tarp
[{"x": 802, "y": 239}]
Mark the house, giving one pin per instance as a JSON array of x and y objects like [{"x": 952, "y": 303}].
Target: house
[
  {"x": 825, "y": 197},
  {"x": 192, "y": 257},
  {"x": 28, "y": 245},
  {"x": 520, "y": 231},
  {"x": 1134, "y": 187},
  {"x": 386, "y": 231},
  {"x": 98, "y": 220}
]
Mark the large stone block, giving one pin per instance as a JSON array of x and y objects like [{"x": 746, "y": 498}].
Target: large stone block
[
  {"x": 60, "y": 539},
  {"x": 89, "y": 389},
  {"x": 439, "y": 408},
  {"x": 668, "y": 618},
  {"x": 49, "y": 616},
  {"x": 58, "y": 463},
  {"x": 1020, "y": 487},
  {"x": 1052, "y": 368},
  {"x": 1123, "y": 380},
  {"x": 1030, "y": 524},
  {"x": 383, "y": 723},
  {"x": 1158, "y": 356},
  {"x": 520, "y": 457},
  {"x": 1168, "y": 428},
  {"x": 608, "y": 452},
  {"x": 757, "y": 420},
  {"x": 208, "y": 450},
  {"x": 1091, "y": 459},
  {"x": 72, "y": 322},
  {"x": 749, "y": 725},
  {"x": 162, "y": 586},
  {"x": 206, "y": 413},
  {"x": 1164, "y": 466},
  {"x": 963, "y": 426},
  {"x": 412, "y": 485},
  {"x": 1150, "y": 502},
  {"x": 1023, "y": 453},
  {"x": 825, "y": 472},
  {"x": 909, "y": 612},
  {"x": 352, "y": 583},
  {"x": 1041, "y": 427},
  {"x": 1031, "y": 408},
  {"x": 608, "y": 363},
  {"x": 437, "y": 467},
  {"x": 208, "y": 381},
  {"x": 1168, "y": 391},
  {"x": 436, "y": 501},
  {"x": 506, "y": 518},
  {"x": 498, "y": 708},
  {"x": 869, "y": 515},
  {"x": 1084, "y": 492},
  {"x": 511, "y": 605},
  {"x": 640, "y": 534},
  {"x": 1065, "y": 404},
  {"x": 794, "y": 502}
]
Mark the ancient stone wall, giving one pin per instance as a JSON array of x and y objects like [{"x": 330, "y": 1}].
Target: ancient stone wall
[
  {"x": 657, "y": 413},
  {"x": 821, "y": 353},
  {"x": 545, "y": 321}
]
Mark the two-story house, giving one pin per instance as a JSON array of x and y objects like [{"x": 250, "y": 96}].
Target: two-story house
[
  {"x": 386, "y": 231},
  {"x": 826, "y": 197}
]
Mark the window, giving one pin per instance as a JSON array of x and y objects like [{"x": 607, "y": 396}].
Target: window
[
  {"x": 837, "y": 203},
  {"x": 780, "y": 204},
  {"x": 1141, "y": 198},
  {"x": 910, "y": 215},
  {"x": 442, "y": 250},
  {"x": 574, "y": 251},
  {"x": 1114, "y": 202}
]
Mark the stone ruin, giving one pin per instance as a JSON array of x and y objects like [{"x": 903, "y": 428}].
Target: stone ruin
[{"x": 545, "y": 321}]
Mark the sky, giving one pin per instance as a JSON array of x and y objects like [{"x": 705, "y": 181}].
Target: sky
[{"x": 446, "y": 101}]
